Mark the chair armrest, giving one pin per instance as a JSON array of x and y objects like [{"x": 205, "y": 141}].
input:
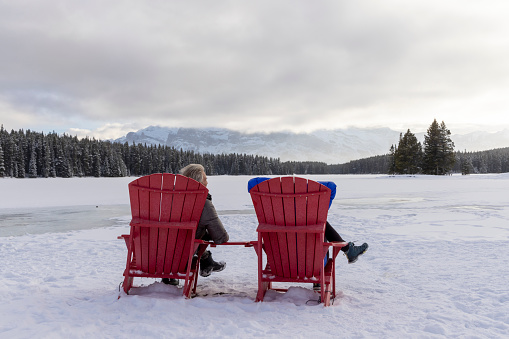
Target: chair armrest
[
  {"x": 151, "y": 223},
  {"x": 235, "y": 243},
  {"x": 336, "y": 244},
  {"x": 336, "y": 247},
  {"x": 126, "y": 238},
  {"x": 291, "y": 229}
]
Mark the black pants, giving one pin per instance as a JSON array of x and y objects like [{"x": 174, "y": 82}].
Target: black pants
[{"x": 332, "y": 235}]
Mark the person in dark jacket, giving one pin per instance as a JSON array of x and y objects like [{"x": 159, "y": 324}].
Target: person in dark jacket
[{"x": 210, "y": 227}]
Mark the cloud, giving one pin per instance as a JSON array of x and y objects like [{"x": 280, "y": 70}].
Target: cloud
[
  {"x": 107, "y": 131},
  {"x": 259, "y": 65}
]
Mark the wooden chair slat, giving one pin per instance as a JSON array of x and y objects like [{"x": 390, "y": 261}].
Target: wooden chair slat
[
  {"x": 301, "y": 186},
  {"x": 155, "y": 215},
  {"x": 289, "y": 205}
]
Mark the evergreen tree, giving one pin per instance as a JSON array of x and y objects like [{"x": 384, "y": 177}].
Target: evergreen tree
[
  {"x": 392, "y": 160},
  {"x": 122, "y": 168},
  {"x": 135, "y": 159},
  {"x": 20, "y": 160},
  {"x": 32, "y": 167},
  {"x": 39, "y": 152},
  {"x": 86, "y": 159},
  {"x": 466, "y": 165},
  {"x": 2, "y": 164},
  {"x": 46, "y": 162},
  {"x": 62, "y": 162},
  {"x": 439, "y": 157},
  {"x": 408, "y": 154},
  {"x": 96, "y": 164},
  {"x": 2, "y": 142},
  {"x": 105, "y": 167},
  {"x": 6, "y": 142},
  {"x": 76, "y": 161}
]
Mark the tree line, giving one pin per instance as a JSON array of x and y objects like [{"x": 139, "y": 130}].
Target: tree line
[
  {"x": 480, "y": 162},
  {"x": 491, "y": 161},
  {"x": 28, "y": 154},
  {"x": 436, "y": 157}
]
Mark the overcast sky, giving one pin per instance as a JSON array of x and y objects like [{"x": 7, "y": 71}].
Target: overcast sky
[{"x": 103, "y": 68}]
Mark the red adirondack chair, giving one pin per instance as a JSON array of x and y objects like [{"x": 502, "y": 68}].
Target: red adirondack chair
[
  {"x": 166, "y": 209},
  {"x": 291, "y": 213}
]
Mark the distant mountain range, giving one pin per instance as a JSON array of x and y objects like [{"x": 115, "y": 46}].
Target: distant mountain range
[{"x": 329, "y": 146}]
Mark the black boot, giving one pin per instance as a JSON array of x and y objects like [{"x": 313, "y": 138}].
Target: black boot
[
  {"x": 170, "y": 281},
  {"x": 354, "y": 252},
  {"x": 208, "y": 265}
]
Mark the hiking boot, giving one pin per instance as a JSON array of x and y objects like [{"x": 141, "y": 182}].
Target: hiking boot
[
  {"x": 317, "y": 287},
  {"x": 208, "y": 265},
  {"x": 354, "y": 251},
  {"x": 171, "y": 281}
]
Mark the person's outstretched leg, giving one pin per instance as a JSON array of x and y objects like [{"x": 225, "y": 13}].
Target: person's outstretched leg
[
  {"x": 331, "y": 235},
  {"x": 352, "y": 252}
]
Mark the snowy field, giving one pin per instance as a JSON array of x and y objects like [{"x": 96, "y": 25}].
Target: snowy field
[{"x": 437, "y": 265}]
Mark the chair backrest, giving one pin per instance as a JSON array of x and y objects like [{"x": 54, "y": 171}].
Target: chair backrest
[
  {"x": 297, "y": 210},
  {"x": 165, "y": 209}
]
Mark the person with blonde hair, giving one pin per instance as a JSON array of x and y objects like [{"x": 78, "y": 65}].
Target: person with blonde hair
[{"x": 210, "y": 227}]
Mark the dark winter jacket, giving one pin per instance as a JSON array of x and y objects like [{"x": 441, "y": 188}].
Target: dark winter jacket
[{"x": 210, "y": 226}]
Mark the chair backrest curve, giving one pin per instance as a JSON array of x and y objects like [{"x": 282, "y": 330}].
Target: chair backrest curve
[{"x": 287, "y": 202}]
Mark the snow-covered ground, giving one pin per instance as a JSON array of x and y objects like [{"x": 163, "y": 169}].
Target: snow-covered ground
[{"x": 437, "y": 265}]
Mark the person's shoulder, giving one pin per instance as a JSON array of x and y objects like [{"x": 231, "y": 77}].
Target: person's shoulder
[{"x": 209, "y": 206}]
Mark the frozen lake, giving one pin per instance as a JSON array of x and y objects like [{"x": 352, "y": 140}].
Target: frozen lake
[
  {"x": 21, "y": 221},
  {"x": 437, "y": 264},
  {"x": 474, "y": 207}
]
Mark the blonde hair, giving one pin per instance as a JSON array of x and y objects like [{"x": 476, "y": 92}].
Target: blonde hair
[{"x": 193, "y": 171}]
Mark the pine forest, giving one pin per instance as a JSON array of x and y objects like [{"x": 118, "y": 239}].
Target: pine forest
[{"x": 28, "y": 154}]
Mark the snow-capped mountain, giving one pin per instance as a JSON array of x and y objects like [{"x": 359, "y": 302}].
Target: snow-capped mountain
[
  {"x": 481, "y": 141},
  {"x": 330, "y": 146}
]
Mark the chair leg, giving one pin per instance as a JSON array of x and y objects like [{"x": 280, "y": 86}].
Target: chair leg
[
  {"x": 325, "y": 284},
  {"x": 262, "y": 285},
  {"x": 196, "y": 270},
  {"x": 195, "y": 266},
  {"x": 326, "y": 294},
  {"x": 186, "y": 291},
  {"x": 131, "y": 260},
  {"x": 128, "y": 283},
  {"x": 189, "y": 280},
  {"x": 262, "y": 288},
  {"x": 333, "y": 280},
  {"x": 195, "y": 281}
]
